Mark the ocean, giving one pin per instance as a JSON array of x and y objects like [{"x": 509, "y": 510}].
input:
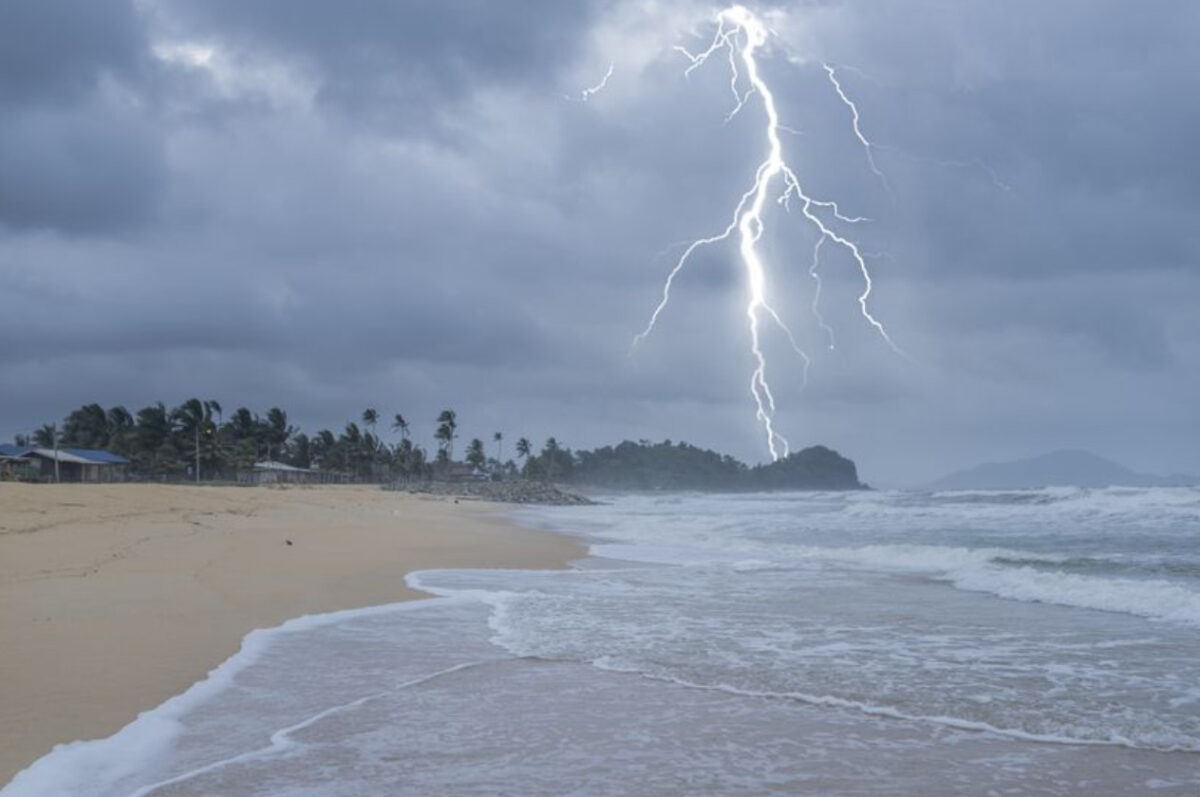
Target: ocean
[{"x": 867, "y": 643}]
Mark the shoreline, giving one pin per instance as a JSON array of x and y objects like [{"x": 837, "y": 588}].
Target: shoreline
[{"x": 115, "y": 598}]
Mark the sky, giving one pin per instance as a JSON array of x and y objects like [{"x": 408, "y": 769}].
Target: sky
[{"x": 411, "y": 206}]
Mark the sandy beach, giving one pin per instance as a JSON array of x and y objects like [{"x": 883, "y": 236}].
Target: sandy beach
[{"x": 114, "y": 598}]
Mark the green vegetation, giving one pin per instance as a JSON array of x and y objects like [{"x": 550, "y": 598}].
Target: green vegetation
[
  {"x": 172, "y": 443},
  {"x": 680, "y": 466}
]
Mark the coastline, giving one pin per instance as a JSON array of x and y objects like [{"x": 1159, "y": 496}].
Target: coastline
[{"x": 114, "y": 598}]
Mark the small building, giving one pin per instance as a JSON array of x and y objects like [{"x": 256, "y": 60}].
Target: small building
[
  {"x": 463, "y": 472},
  {"x": 74, "y": 464},
  {"x": 272, "y": 472},
  {"x": 15, "y": 462}
]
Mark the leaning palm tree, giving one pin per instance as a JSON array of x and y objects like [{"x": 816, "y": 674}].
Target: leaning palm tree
[
  {"x": 352, "y": 441},
  {"x": 120, "y": 429},
  {"x": 403, "y": 456},
  {"x": 277, "y": 431},
  {"x": 211, "y": 428},
  {"x": 475, "y": 455},
  {"x": 401, "y": 426},
  {"x": 550, "y": 453},
  {"x": 46, "y": 437},
  {"x": 193, "y": 417},
  {"x": 445, "y": 434},
  {"x": 153, "y": 432},
  {"x": 524, "y": 449}
]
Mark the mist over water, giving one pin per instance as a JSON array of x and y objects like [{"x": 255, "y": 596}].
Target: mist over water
[{"x": 848, "y": 643}]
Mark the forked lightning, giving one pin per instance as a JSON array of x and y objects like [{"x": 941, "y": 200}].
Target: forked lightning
[{"x": 742, "y": 34}]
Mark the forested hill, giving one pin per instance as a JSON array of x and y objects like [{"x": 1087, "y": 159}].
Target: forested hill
[{"x": 680, "y": 466}]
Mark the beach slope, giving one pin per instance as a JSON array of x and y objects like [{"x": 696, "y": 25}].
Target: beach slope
[{"x": 113, "y": 598}]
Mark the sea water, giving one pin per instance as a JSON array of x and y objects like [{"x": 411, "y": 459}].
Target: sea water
[{"x": 974, "y": 643}]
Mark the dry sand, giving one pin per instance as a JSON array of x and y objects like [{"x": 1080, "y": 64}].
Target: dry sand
[{"x": 113, "y": 598}]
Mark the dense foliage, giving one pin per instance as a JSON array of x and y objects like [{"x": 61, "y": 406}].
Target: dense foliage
[
  {"x": 162, "y": 442},
  {"x": 680, "y": 466},
  {"x": 166, "y": 443}
]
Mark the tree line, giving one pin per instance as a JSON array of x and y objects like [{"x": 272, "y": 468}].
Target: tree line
[{"x": 164, "y": 442}]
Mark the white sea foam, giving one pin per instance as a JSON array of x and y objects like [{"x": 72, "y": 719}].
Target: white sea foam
[
  {"x": 652, "y": 625},
  {"x": 1098, "y": 737},
  {"x": 97, "y": 766},
  {"x": 1154, "y": 599},
  {"x": 836, "y": 601},
  {"x": 1137, "y": 536}
]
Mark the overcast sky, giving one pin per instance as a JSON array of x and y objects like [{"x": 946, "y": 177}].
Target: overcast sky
[{"x": 329, "y": 206}]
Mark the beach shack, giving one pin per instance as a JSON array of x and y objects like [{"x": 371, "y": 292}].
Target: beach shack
[
  {"x": 272, "y": 472},
  {"x": 76, "y": 464},
  {"x": 15, "y": 462},
  {"x": 464, "y": 472}
]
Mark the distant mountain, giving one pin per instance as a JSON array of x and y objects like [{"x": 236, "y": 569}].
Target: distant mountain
[{"x": 1056, "y": 469}]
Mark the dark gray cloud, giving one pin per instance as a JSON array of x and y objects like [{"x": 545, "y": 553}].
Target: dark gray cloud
[
  {"x": 329, "y": 206},
  {"x": 54, "y": 51},
  {"x": 78, "y": 152},
  {"x": 399, "y": 65}
]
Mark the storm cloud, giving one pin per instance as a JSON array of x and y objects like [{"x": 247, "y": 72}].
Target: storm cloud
[{"x": 405, "y": 206}]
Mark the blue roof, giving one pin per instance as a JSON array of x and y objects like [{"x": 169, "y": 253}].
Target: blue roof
[
  {"x": 90, "y": 454},
  {"x": 9, "y": 450},
  {"x": 96, "y": 455}
]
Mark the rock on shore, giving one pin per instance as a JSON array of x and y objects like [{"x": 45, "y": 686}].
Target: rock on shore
[{"x": 507, "y": 492}]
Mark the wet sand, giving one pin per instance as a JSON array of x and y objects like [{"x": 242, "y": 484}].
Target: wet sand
[{"x": 113, "y": 598}]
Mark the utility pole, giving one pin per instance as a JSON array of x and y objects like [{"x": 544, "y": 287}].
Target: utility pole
[{"x": 54, "y": 432}]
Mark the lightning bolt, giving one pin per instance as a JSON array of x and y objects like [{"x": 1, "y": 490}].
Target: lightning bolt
[
  {"x": 868, "y": 147},
  {"x": 816, "y": 300},
  {"x": 588, "y": 92},
  {"x": 741, "y": 34}
]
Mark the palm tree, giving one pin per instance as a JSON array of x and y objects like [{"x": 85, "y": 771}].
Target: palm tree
[
  {"x": 403, "y": 456},
  {"x": 447, "y": 425},
  {"x": 324, "y": 450},
  {"x": 550, "y": 453},
  {"x": 153, "y": 431},
  {"x": 277, "y": 431},
  {"x": 195, "y": 419},
  {"x": 499, "y": 438},
  {"x": 120, "y": 429},
  {"x": 475, "y": 455},
  {"x": 417, "y": 464},
  {"x": 400, "y": 425},
  {"x": 86, "y": 427},
  {"x": 209, "y": 432},
  {"x": 370, "y": 417},
  {"x": 243, "y": 425},
  {"x": 46, "y": 436},
  {"x": 524, "y": 450},
  {"x": 372, "y": 451},
  {"x": 352, "y": 441}
]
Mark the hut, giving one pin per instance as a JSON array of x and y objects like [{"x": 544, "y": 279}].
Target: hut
[
  {"x": 15, "y": 463},
  {"x": 465, "y": 472},
  {"x": 272, "y": 472},
  {"x": 76, "y": 464}
]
